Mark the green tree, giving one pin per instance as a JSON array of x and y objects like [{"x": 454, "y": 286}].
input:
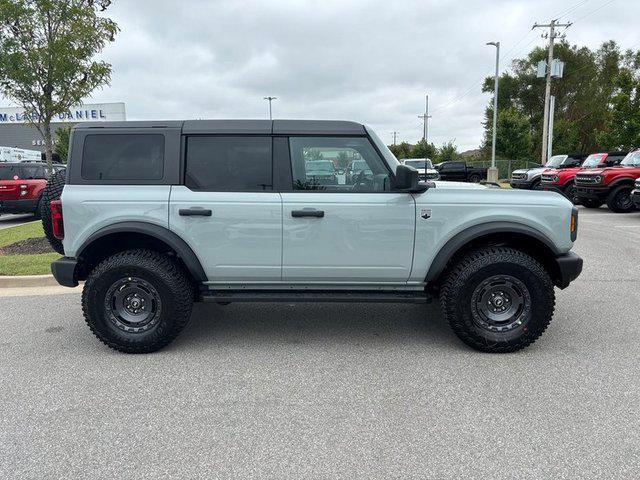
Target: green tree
[
  {"x": 61, "y": 147},
  {"x": 513, "y": 138},
  {"x": 622, "y": 129},
  {"x": 423, "y": 149},
  {"x": 47, "y": 56},
  {"x": 583, "y": 96},
  {"x": 401, "y": 150},
  {"x": 343, "y": 160},
  {"x": 447, "y": 152}
]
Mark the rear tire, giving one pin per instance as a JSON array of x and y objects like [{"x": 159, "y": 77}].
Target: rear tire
[
  {"x": 474, "y": 178},
  {"x": 137, "y": 301},
  {"x": 590, "y": 202},
  {"x": 52, "y": 191},
  {"x": 619, "y": 201},
  {"x": 497, "y": 299}
]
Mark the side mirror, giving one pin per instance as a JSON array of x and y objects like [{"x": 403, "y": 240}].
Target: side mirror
[{"x": 408, "y": 179}]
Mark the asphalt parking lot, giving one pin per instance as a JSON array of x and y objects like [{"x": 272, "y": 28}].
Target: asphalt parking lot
[
  {"x": 10, "y": 220},
  {"x": 333, "y": 391}
]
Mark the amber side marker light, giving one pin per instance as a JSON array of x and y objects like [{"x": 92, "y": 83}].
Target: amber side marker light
[{"x": 574, "y": 224}]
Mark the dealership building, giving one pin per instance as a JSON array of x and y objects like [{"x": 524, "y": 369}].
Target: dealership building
[{"x": 16, "y": 132}]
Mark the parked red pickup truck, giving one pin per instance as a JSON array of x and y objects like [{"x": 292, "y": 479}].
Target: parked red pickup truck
[
  {"x": 562, "y": 180},
  {"x": 21, "y": 184},
  {"x": 612, "y": 185}
]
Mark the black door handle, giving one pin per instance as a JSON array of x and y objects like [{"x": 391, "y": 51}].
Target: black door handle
[
  {"x": 192, "y": 212},
  {"x": 307, "y": 213}
]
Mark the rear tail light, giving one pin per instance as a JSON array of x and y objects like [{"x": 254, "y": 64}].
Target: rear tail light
[{"x": 57, "y": 224}]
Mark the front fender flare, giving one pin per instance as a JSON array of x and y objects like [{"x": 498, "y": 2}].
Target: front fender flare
[{"x": 462, "y": 238}]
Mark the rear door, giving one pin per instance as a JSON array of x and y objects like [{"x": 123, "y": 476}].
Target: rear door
[
  {"x": 355, "y": 231},
  {"x": 226, "y": 209}
]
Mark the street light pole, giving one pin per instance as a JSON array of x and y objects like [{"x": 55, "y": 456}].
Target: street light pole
[
  {"x": 492, "y": 173},
  {"x": 270, "y": 100}
]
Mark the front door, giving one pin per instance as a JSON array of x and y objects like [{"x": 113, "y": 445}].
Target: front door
[
  {"x": 348, "y": 228},
  {"x": 227, "y": 210}
]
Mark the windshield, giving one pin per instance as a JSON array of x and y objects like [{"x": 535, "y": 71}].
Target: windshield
[
  {"x": 593, "y": 160},
  {"x": 7, "y": 172},
  {"x": 632, "y": 159},
  {"x": 319, "y": 167},
  {"x": 556, "y": 161},
  {"x": 419, "y": 163},
  {"x": 415, "y": 163}
]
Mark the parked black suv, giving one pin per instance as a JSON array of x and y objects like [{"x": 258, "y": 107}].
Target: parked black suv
[{"x": 460, "y": 172}]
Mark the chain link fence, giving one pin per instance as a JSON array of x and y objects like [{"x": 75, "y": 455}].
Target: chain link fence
[{"x": 505, "y": 167}]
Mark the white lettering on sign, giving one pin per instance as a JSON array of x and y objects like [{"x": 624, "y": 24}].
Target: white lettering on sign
[{"x": 101, "y": 112}]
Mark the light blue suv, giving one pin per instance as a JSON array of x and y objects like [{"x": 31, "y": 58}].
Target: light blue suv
[{"x": 156, "y": 215}]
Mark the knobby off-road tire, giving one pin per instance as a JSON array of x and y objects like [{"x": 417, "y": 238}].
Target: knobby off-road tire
[
  {"x": 137, "y": 301},
  {"x": 474, "y": 178},
  {"x": 52, "y": 191},
  {"x": 590, "y": 203},
  {"x": 619, "y": 200},
  {"x": 497, "y": 299}
]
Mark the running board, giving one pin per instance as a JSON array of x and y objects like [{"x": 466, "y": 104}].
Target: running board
[{"x": 363, "y": 296}]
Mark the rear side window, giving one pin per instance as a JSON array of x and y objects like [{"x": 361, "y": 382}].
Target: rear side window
[
  {"x": 31, "y": 172},
  {"x": 228, "y": 164},
  {"x": 9, "y": 172},
  {"x": 123, "y": 157}
]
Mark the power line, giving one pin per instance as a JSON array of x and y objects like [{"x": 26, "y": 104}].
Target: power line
[
  {"x": 594, "y": 11},
  {"x": 569, "y": 10}
]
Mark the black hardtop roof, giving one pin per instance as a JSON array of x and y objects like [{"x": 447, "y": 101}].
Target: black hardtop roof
[{"x": 236, "y": 127}]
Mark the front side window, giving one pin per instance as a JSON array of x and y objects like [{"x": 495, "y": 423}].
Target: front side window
[
  {"x": 228, "y": 164},
  {"x": 337, "y": 164},
  {"x": 123, "y": 157}
]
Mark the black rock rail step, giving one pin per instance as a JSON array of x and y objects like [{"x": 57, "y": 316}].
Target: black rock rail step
[{"x": 364, "y": 296}]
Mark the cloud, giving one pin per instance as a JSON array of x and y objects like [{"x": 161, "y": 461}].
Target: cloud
[{"x": 370, "y": 61}]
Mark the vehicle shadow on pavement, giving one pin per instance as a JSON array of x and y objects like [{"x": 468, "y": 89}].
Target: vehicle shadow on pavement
[{"x": 302, "y": 323}]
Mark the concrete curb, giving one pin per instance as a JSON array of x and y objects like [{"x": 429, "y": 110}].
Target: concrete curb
[{"x": 20, "y": 281}]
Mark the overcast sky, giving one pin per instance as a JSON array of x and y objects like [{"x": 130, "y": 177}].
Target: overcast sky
[{"x": 365, "y": 60}]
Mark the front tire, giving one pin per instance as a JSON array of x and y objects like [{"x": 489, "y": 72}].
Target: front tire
[
  {"x": 620, "y": 201},
  {"x": 497, "y": 299},
  {"x": 137, "y": 301}
]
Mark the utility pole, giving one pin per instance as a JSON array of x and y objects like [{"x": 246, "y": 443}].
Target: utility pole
[
  {"x": 547, "y": 91},
  {"x": 492, "y": 173},
  {"x": 425, "y": 117},
  {"x": 552, "y": 108},
  {"x": 270, "y": 100},
  {"x": 394, "y": 133}
]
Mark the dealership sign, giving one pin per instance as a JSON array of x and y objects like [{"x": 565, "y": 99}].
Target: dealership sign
[{"x": 97, "y": 112}]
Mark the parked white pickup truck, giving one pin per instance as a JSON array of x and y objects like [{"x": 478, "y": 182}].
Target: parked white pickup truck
[{"x": 157, "y": 215}]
